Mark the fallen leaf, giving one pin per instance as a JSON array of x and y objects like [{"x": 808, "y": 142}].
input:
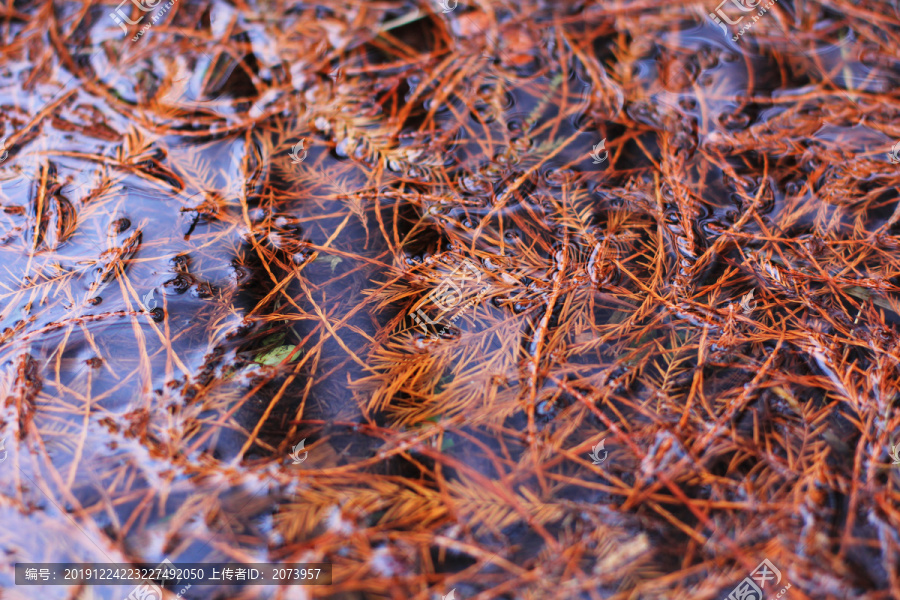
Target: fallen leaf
[{"x": 276, "y": 355}]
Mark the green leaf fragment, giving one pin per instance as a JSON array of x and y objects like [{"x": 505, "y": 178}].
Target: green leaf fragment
[
  {"x": 276, "y": 355},
  {"x": 330, "y": 260},
  {"x": 275, "y": 338}
]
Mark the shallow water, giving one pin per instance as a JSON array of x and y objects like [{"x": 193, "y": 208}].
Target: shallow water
[{"x": 547, "y": 300}]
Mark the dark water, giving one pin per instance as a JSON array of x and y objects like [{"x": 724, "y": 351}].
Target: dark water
[{"x": 369, "y": 284}]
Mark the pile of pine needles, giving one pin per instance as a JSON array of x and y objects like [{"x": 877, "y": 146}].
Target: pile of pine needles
[{"x": 362, "y": 283}]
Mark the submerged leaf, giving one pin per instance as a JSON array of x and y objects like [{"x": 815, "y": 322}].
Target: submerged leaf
[
  {"x": 276, "y": 355},
  {"x": 332, "y": 261}
]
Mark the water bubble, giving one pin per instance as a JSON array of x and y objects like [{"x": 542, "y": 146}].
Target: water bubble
[
  {"x": 793, "y": 187},
  {"x": 584, "y": 122},
  {"x": 475, "y": 185},
  {"x": 544, "y": 408},
  {"x": 118, "y": 226},
  {"x": 204, "y": 291},
  {"x": 180, "y": 262},
  {"x": 180, "y": 283},
  {"x": 688, "y": 103},
  {"x": 560, "y": 177},
  {"x": 733, "y": 121}
]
